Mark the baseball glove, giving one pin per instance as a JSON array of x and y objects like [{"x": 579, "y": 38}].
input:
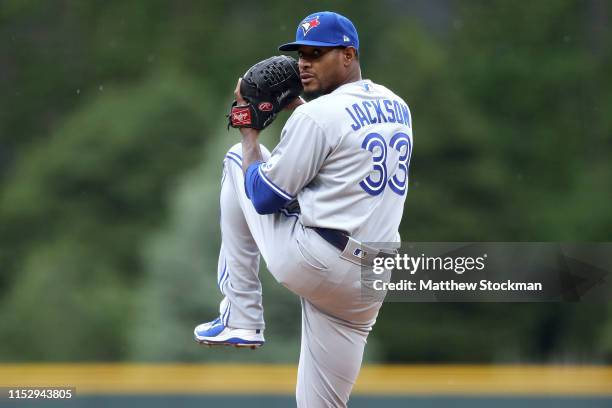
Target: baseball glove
[{"x": 267, "y": 87}]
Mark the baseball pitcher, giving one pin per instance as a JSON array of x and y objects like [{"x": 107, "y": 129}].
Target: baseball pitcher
[{"x": 337, "y": 179}]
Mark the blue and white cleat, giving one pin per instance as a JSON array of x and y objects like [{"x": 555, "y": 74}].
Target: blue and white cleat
[{"x": 215, "y": 333}]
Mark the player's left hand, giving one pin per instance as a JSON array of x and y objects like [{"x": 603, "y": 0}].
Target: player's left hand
[
  {"x": 265, "y": 89},
  {"x": 241, "y": 101}
]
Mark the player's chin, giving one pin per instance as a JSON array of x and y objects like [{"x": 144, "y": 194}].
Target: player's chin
[
  {"x": 310, "y": 84},
  {"x": 312, "y": 90}
]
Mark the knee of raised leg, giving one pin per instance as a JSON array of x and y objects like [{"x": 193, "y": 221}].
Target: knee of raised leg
[
  {"x": 275, "y": 268},
  {"x": 236, "y": 152},
  {"x": 280, "y": 271}
]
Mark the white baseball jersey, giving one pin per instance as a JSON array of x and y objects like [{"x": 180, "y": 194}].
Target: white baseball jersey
[{"x": 345, "y": 156}]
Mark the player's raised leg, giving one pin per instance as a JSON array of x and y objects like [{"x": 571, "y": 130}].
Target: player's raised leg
[{"x": 241, "y": 320}]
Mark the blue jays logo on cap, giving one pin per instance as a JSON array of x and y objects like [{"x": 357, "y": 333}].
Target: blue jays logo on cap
[
  {"x": 324, "y": 29},
  {"x": 310, "y": 23}
]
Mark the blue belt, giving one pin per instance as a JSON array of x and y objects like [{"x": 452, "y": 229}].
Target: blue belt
[
  {"x": 358, "y": 252},
  {"x": 337, "y": 238}
]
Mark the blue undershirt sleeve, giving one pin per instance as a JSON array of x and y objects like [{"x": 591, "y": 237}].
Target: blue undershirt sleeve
[{"x": 264, "y": 198}]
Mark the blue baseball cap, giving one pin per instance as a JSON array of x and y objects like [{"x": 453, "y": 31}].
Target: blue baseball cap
[{"x": 324, "y": 29}]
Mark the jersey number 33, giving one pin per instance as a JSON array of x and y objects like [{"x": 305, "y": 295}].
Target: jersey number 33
[{"x": 375, "y": 183}]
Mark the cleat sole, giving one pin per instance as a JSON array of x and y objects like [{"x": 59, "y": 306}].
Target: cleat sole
[{"x": 225, "y": 343}]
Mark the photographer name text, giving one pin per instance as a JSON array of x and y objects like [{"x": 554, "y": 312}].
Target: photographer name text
[{"x": 451, "y": 285}]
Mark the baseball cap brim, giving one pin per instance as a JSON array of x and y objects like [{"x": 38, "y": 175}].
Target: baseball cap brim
[{"x": 293, "y": 46}]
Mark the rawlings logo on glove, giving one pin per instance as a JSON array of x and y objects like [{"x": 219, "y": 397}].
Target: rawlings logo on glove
[
  {"x": 241, "y": 116},
  {"x": 265, "y": 106},
  {"x": 267, "y": 87}
]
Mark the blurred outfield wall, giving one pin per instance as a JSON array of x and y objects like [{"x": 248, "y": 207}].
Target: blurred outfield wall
[{"x": 119, "y": 385}]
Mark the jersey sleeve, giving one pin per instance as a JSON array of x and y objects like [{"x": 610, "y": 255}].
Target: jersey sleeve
[
  {"x": 265, "y": 198},
  {"x": 297, "y": 158}
]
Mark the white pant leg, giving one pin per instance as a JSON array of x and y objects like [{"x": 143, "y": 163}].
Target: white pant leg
[
  {"x": 335, "y": 326},
  {"x": 335, "y": 322},
  {"x": 274, "y": 234},
  {"x": 238, "y": 266},
  {"x": 330, "y": 359},
  {"x": 245, "y": 234}
]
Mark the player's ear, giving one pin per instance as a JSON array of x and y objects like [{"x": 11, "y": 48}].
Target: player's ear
[{"x": 349, "y": 55}]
